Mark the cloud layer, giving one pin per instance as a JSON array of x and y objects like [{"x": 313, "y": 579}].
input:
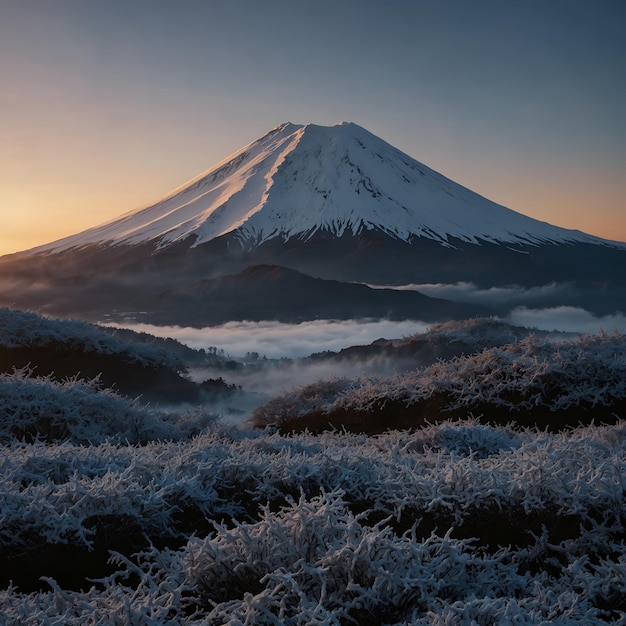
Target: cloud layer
[
  {"x": 494, "y": 297},
  {"x": 276, "y": 339},
  {"x": 566, "y": 318}
]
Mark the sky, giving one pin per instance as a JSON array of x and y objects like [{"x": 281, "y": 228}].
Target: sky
[{"x": 108, "y": 105}]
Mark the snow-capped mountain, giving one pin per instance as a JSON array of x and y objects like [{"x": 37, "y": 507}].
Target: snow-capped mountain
[
  {"x": 299, "y": 180},
  {"x": 318, "y": 205}
]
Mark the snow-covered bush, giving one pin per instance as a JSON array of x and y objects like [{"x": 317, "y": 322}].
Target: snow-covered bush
[
  {"x": 82, "y": 412},
  {"x": 436, "y": 526},
  {"x": 303, "y": 401},
  {"x": 474, "y": 335},
  {"x": 23, "y": 329},
  {"x": 113, "y": 514},
  {"x": 531, "y": 381}
]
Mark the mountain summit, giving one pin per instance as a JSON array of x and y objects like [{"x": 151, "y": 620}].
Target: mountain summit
[
  {"x": 300, "y": 180},
  {"x": 313, "y": 208}
]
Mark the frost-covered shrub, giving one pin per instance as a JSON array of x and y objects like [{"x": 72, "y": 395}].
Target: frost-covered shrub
[
  {"x": 314, "y": 561},
  {"x": 302, "y": 401},
  {"x": 474, "y": 334},
  {"x": 531, "y": 381},
  {"x": 471, "y": 437},
  {"x": 320, "y": 558},
  {"x": 437, "y": 526},
  {"x": 41, "y": 408},
  {"x": 82, "y": 412},
  {"x": 22, "y": 329},
  {"x": 588, "y": 371}
]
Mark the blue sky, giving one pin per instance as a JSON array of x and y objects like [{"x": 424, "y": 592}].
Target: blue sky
[{"x": 106, "y": 105}]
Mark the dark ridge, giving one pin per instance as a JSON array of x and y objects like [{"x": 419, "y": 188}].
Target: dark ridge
[
  {"x": 96, "y": 281},
  {"x": 278, "y": 293}
]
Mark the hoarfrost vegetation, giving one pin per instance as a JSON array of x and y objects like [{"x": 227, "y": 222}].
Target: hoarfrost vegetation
[
  {"x": 113, "y": 514},
  {"x": 445, "y": 525},
  {"x": 39, "y": 408},
  {"x": 23, "y": 329},
  {"x": 135, "y": 365},
  {"x": 532, "y": 381}
]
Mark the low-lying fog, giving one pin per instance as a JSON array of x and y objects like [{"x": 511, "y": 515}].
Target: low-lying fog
[
  {"x": 291, "y": 342},
  {"x": 276, "y": 340}
]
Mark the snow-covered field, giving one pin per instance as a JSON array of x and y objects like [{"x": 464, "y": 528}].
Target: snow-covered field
[{"x": 116, "y": 513}]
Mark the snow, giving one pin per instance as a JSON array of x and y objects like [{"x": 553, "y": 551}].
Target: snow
[{"x": 300, "y": 179}]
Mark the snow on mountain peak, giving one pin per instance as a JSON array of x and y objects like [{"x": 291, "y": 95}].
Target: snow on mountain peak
[{"x": 300, "y": 179}]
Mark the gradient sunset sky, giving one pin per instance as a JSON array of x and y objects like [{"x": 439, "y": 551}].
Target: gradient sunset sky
[{"x": 107, "y": 104}]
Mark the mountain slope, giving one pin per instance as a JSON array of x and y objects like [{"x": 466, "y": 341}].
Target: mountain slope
[
  {"x": 299, "y": 180},
  {"x": 333, "y": 203}
]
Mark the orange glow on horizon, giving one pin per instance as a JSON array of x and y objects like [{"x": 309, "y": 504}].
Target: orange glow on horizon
[{"x": 108, "y": 106}]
